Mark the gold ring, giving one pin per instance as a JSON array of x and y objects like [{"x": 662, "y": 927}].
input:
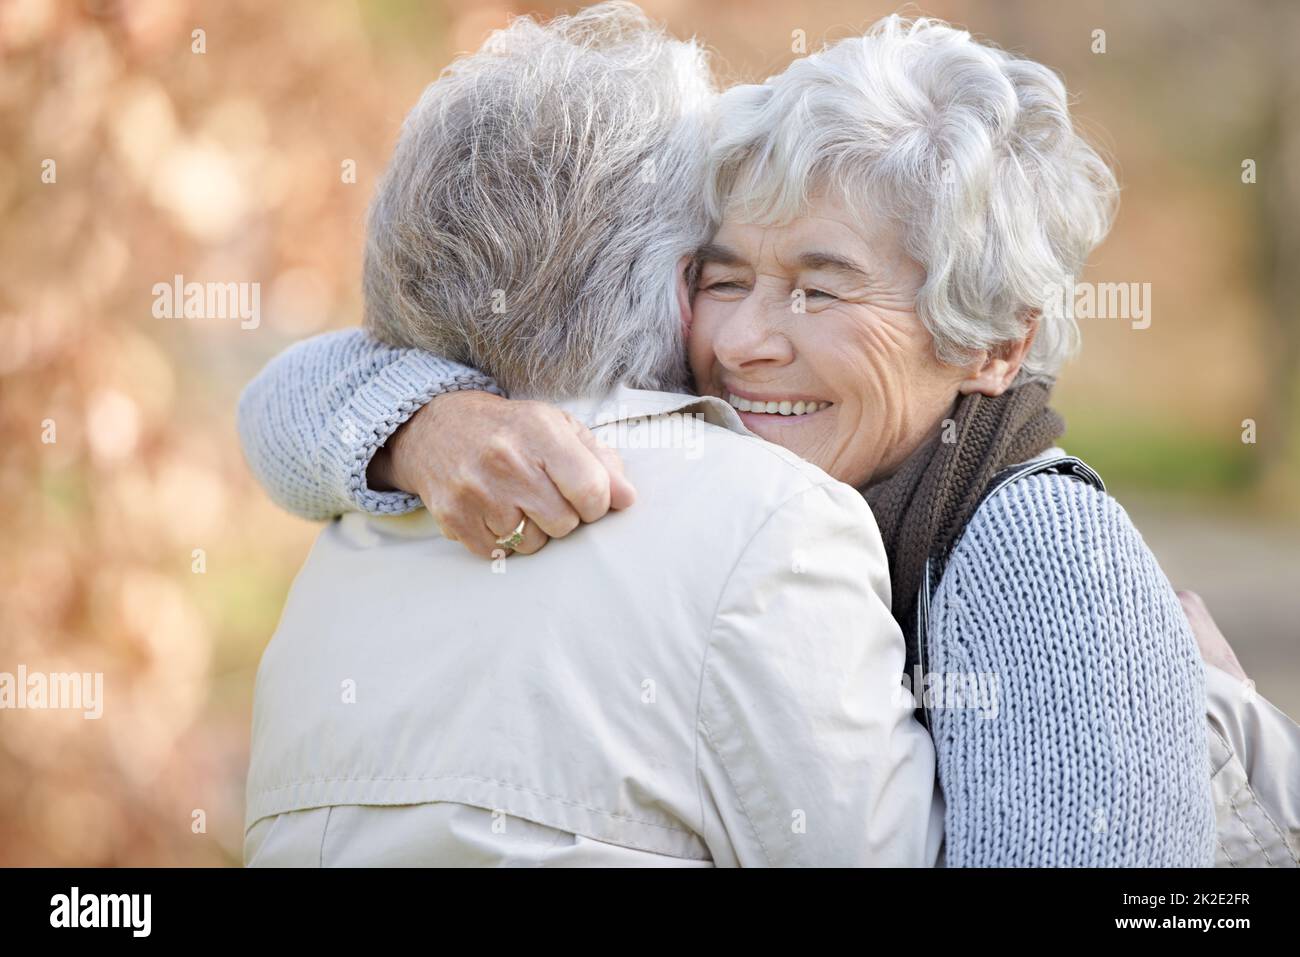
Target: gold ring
[{"x": 515, "y": 538}]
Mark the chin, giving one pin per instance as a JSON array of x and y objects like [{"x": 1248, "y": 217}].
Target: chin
[{"x": 803, "y": 435}]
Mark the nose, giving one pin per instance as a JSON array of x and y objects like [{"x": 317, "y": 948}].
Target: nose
[{"x": 751, "y": 337}]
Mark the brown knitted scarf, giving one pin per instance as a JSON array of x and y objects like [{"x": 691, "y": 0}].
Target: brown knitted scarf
[{"x": 922, "y": 508}]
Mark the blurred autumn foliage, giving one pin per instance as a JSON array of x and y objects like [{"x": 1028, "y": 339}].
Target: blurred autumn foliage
[
  {"x": 134, "y": 149},
  {"x": 219, "y": 166}
]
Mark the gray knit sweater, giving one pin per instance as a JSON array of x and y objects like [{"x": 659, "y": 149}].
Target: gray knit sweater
[{"x": 1067, "y": 695}]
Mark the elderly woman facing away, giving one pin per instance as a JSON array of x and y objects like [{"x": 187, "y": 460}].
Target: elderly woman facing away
[{"x": 892, "y": 213}]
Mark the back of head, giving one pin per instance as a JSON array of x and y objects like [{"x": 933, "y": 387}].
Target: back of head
[{"x": 539, "y": 199}]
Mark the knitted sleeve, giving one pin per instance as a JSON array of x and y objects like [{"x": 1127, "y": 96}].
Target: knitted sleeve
[
  {"x": 1069, "y": 697},
  {"x": 312, "y": 420}
]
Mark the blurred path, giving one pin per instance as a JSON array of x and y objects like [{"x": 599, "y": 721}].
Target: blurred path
[{"x": 1248, "y": 572}]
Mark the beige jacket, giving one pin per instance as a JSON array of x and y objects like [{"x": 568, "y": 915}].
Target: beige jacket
[
  {"x": 1255, "y": 767},
  {"x": 709, "y": 677}
]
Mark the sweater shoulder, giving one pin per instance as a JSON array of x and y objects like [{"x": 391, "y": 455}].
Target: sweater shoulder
[
  {"x": 1050, "y": 524},
  {"x": 1053, "y": 576},
  {"x": 1097, "y": 701},
  {"x": 1052, "y": 552},
  {"x": 1050, "y": 498}
]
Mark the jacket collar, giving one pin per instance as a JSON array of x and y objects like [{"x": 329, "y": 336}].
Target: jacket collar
[{"x": 621, "y": 404}]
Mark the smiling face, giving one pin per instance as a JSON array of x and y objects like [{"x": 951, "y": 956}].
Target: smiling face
[{"x": 851, "y": 382}]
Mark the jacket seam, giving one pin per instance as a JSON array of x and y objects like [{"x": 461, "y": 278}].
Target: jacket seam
[
  {"x": 1268, "y": 818},
  {"x": 479, "y": 780},
  {"x": 329, "y": 812},
  {"x": 621, "y": 842},
  {"x": 704, "y": 670}
]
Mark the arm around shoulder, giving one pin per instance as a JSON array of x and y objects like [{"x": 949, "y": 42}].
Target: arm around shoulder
[{"x": 311, "y": 421}]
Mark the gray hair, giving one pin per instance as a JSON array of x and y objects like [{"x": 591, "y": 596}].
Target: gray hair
[
  {"x": 971, "y": 148},
  {"x": 539, "y": 200}
]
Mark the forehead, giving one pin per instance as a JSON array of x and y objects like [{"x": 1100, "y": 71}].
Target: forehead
[{"x": 823, "y": 230}]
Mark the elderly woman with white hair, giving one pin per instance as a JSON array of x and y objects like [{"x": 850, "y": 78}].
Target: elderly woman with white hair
[{"x": 891, "y": 215}]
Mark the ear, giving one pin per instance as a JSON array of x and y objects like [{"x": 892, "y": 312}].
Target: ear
[
  {"x": 684, "y": 293},
  {"x": 994, "y": 374}
]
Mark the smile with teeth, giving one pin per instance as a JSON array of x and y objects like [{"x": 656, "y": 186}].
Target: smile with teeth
[{"x": 775, "y": 408}]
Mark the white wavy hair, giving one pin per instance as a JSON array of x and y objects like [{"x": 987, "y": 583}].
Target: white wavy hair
[
  {"x": 538, "y": 202},
  {"x": 971, "y": 148}
]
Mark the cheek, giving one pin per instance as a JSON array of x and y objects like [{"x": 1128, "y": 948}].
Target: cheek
[
  {"x": 699, "y": 342},
  {"x": 870, "y": 360}
]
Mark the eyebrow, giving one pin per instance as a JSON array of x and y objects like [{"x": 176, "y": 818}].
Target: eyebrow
[
  {"x": 726, "y": 256},
  {"x": 833, "y": 263},
  {"x": 722, "y": 255}
]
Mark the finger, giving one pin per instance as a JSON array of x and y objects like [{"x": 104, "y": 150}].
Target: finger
[
  {"x": 548, "y": 511},
  {"x": 1191, "y": 599},
  {"x": 533, "y": 540},
  {"x": 505, "y": 525},
  {"x": 1198, "y": 616},
  {"x": 444, "y": 531},
  {"x": 502, "y": 521},
  {"x": 1210, "y": 640},
  {"x": 580, "y": 476},
  {"x": 463, "y": 527},
  {"x": 474, "y": 535},
  {"x": 622, "y": 494}
]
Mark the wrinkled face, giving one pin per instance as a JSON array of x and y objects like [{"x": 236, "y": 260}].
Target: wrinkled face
[{"x": 810, "y": 330}]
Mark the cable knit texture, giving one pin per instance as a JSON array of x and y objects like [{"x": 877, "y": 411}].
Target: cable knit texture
[
  {"x": 314, "y": 417},
  {"x": 1098, "y": 753}
]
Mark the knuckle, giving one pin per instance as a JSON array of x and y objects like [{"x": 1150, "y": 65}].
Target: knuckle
[
  {"x": 557, "y": 422},
  {"x": 592, "y": 495},
  {"x": 530, "y": 412},
  {"x": 501, "y": 524},
  {"x": 499, "y": 452}
]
